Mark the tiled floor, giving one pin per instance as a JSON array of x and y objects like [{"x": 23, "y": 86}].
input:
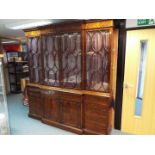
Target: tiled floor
[{"x": 21, "y": 124}]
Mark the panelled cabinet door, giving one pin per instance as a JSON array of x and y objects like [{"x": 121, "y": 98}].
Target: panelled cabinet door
[
  {"x": 71, "y": 110},
  {"x": 35, "y": 102},
  {"x": 51, "y": 105},
  {"x": 96, "y": 114},
  {"x": 35, "y": 62},
  {"x": 98, "y": 60}
]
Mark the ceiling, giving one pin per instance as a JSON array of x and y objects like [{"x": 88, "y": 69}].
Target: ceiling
[{"x": 19, "y": 34}]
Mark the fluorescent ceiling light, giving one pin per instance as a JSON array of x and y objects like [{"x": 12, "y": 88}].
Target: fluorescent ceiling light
[
  {"x": 8, "y": 42},
  {"x": 28, "y": 24}
]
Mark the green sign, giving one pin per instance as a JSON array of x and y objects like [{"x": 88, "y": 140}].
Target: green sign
[{"x": 143, "y": 22}]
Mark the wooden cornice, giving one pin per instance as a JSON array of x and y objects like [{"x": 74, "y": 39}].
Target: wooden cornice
[{"x": 69, "y": 27}]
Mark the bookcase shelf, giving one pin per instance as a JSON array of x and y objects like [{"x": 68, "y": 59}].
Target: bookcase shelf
[{"x": 17, "y": 69}]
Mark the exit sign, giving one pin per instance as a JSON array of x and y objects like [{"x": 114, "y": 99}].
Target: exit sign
[{"x": 147, "y": 22}]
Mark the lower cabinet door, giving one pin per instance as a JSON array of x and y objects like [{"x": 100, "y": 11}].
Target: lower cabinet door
[
  {"x": 51, "y": 105},
  {"x": 71, "y": 110},
  {"x": 35, "y": 102},
  {"x": 96, "y": 115}
]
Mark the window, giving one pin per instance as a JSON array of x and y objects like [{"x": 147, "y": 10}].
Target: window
[{"x": 141, "y": 78}]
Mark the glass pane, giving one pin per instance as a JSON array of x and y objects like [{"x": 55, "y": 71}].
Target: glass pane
[
  {"x": 4, "y": 123},
  {"x": 97, "y": 60},
  {"x": 141, "y": 77},
  {"x": 71, "y": 60},
  {"x": 51, "y": 59},
  {"x": 34, "y": 46}
]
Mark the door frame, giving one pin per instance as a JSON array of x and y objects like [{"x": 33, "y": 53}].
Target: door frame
[
  {"x": 121, "y": 68},
  {"x": 120, "y": 73}
]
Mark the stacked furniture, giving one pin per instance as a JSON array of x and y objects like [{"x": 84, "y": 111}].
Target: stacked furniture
[
  {"x": 73, "y": 74},
  {"x": 17, "y": 69}
]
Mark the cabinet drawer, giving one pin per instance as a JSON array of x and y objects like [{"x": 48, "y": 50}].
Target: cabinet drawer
[
  {"x": 96, "y": 114},
  {"x": 96, "y": 108},
  {"x": 33, "y": 89},
  {"x": 70, "y": 96}
]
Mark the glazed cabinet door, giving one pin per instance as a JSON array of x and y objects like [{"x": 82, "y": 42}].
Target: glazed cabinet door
[
  {"x": 71, "y": 110},
  {"x": 35, "y": 102},
  {"x": 71, "y": 60},
  {"x": 51, "y": 105},
  {"x": 98, "y": 60},
  {"x": 35, "y": 59},
  {"x": 51, "y": 59}
]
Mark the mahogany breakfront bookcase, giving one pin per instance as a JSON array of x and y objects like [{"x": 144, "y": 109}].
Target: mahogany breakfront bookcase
[{"x": 73, "y": 74}]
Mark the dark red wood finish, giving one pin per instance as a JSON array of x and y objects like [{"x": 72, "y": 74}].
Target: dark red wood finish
[
  {"x": 71, "y": 110},
  {"x": 51, "y": 110},
  {"x": 96, "y": 117},
  {"x": 75, "y": 57},
  {"x": 35, "y": 102},
  {"x": 81, "y": 113}
]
